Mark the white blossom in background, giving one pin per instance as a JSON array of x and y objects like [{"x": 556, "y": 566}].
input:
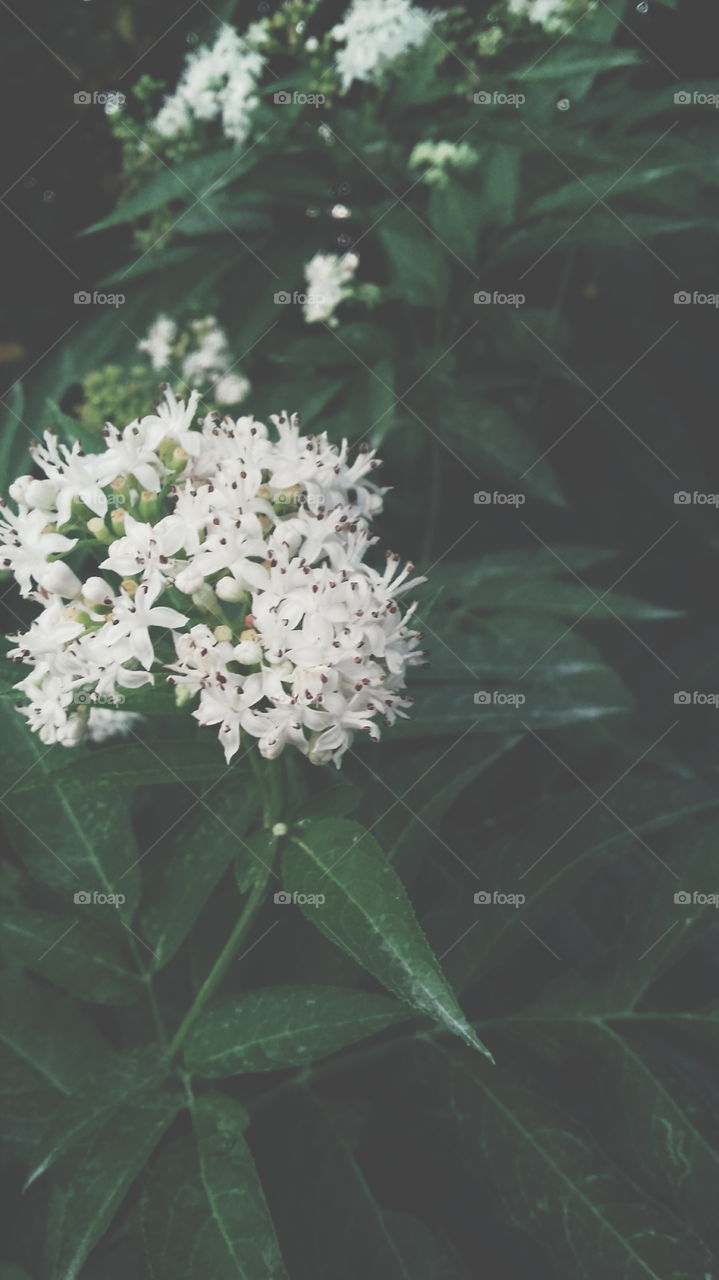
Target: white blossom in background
[
  {"x": 159, "y": 342},
  {"x": 218, "y": 82},
  {"x": 375, "y": 33},
  {"x": 208, "y": 363},
  {"x": 438, "y": 157},
  {"x": 327, "y": 276},
  {"x": 552, "y": 15},
  {"x": 236, "y": 563}
]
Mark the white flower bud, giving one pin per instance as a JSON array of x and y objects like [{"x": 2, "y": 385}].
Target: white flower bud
[
  {"x": 73, "y": 731},
  {"x": 41, "y": 494},
  {"x": 97, "y": 591},
  {"x": 248, "y": 652},
  {"x": 59, "y": 580},
  {"x": 18, "y": 490},
  {"x": 229, "y": 589},
  {"x": 189, "y": 580}
]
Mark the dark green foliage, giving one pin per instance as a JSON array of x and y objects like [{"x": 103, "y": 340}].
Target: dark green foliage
[{"x": 468, "y": 1023}]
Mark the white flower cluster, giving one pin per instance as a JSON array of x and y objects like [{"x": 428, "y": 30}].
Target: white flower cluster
[
  {"x": 327, "y": 276},
  {"x": 231, "y": 555},
  {"x": 218, "y": 82},
  {"x": 439, "y": 157},
  {"x": 553, "y": 15},
  {"x": 209, "y": 360},
  {"x": 377, "y": 32}
]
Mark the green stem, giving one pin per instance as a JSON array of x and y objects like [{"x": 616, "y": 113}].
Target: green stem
[{"x": 221, "y": 963}]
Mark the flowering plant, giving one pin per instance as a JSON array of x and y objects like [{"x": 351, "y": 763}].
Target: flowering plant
[{"x": 283, "y": 631}]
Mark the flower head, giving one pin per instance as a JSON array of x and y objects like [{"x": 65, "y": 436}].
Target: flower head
[{"x": 235, "y": 568}]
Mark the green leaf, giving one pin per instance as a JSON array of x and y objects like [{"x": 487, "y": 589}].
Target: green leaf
[
  {"x": 369, "y": 915},
  {"x": 279, "y": 1027},
  {"x": 417, "y": 260},
  {"x": 197, "y": 852},
  {"x": 83, "y": 951},
  {"x": 552, "y": 1181},
  {"x": 203, "y": 1211},
  {"x": 49, "y": 1034},
  {"x": 112, "y": 1085},
  {"x": 71, "y": 838},
  {"x": 14, "y": 437},
  {"x": 334, "y": 801},
  {"x": 331, "y": 1219},
  {"x": 196, "y": 177},
  {"x": 132, "y": 764},
  {"x": 95, "y": 1176}
]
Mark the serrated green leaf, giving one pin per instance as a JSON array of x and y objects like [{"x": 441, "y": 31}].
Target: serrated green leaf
[
  {"x": 279, "y": 1027},
  {"x": 95, "y": 1176},
  {"x": 369, "y": 915},
  {"x": 84, "y": 951},
  {"x": 203, "y": 1211},
  {"x": 112, "y": 1084},
  {"x": 71, "y": 838},
  {"x": 554, "y": 1182}
]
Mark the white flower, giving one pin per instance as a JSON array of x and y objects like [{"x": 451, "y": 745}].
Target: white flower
[
  {"x": 159, "y": 341},
  {"x": 146, "y": 549},
  {"x": 103, "y": 724},
  {"x": 130, "y": 625},
  {"x": 327, "y": 276},
  {"x": 441, "y": 156},
  {"x": 375, "y": 33},
  {"x": 27, "y": 541},
  {"x": 78, "y": 476},
  {"x": 552, "y": 15},
  {"x": 231, "y": 388},
  {"x": 218, "y": 81},
  {"x": 288, "y": 636}
]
